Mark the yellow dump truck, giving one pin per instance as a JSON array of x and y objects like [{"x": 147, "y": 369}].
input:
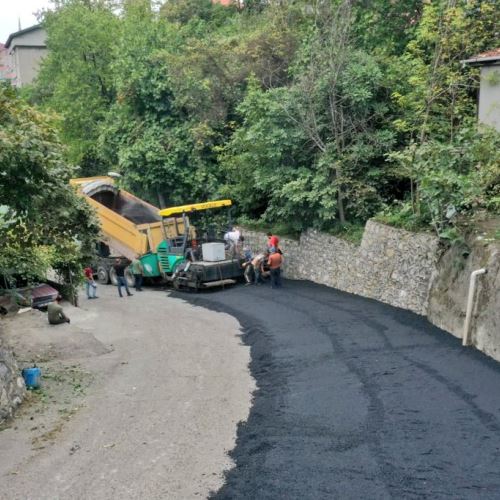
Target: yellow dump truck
[{"x": 130, "y": 226}]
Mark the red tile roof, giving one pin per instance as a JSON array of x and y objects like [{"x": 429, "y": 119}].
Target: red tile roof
[
  {"x": 489, "y": 53},
  {"x": 488, "y": 57}
]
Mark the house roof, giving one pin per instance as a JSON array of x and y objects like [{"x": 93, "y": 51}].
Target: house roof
[
  {"x": 488, "y": 57},
  {"x": 21, "y": 32}
]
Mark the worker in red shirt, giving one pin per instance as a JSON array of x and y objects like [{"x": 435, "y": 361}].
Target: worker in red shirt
[
  {"x": 90, "y": 284},
  {"x": 272, "y": 241},
  {"x": 275, "y": 261}
]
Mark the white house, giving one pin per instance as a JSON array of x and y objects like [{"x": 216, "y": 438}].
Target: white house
[
  {"x": 26, "y": 48},
  {"x": 489, "y": 90}
]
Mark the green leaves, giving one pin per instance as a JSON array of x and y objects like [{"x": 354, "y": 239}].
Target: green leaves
[
  {"x": 453, "y": 179},
  {"x": 435, "y": 91},
  {"x": 43, "y": 223},
  {"x": 76, "y": 76},
  {"x": 290, "y": 108}
]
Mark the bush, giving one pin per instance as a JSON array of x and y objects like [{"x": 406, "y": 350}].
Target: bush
[
  {"x": 452, "y": 180},
  {"x": 43, "y": 222}
]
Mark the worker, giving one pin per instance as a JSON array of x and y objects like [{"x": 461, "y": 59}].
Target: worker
[
  {"x": 275, "y": 260},
  {"x": 232, "y": 239},
  {"x": 138, "y": 272},
  {"x": 272, "y": 242},
  {"x": 119, "y": 268},
  {"x": 258, "y": 266},
  {"x": 90, "y": 284},
  {"x": 247, "y": 252},
  {"x": 240, "y": 247},
  {"x": 55, "y": 312},
  {"x": 247, "y": 264},
  {"x": 233, "y": 235}
]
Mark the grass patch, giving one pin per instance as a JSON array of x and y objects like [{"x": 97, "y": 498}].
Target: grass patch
[
  {"x": 353, "y": 233},
  {"x": 402, "y": 221},
  {"x": 282, "y": 229}
]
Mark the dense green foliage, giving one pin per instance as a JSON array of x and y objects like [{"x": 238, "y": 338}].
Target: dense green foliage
[
  {"x": 308, "y": 113},
  {"x": 455, "y": 179},
  {"x": 78, "y": 77},
  {"x": 43, "y": 223}
]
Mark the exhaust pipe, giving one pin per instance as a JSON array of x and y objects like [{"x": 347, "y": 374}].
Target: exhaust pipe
[{"x": 470, "y": 304}]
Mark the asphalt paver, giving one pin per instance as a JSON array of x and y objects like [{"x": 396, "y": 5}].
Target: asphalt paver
[{"x": 357, "y": 399}]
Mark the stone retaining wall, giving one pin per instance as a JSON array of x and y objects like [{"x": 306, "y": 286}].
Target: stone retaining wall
[
  {"x": 403, "y": 269},
  {"x": 449, "y": 290},
  {"x": 390, "y": 265},
  {"x": 12, "y": 388}
]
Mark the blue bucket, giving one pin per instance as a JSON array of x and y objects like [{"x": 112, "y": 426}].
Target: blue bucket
[{"x": 32, "y": 377}]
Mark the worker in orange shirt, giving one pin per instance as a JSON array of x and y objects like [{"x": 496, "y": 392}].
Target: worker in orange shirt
[{"x": 275, "y": 261}]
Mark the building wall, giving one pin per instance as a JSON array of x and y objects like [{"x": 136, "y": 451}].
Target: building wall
[
  {"x": 489, "y": 96},
  {"x": 37, "y": 37},
  {"x": 27, "y": 63},
  {"x": 25, "y": 53}
]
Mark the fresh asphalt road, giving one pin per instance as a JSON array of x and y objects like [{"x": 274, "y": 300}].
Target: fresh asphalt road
[{"x": 357, "y": 399}]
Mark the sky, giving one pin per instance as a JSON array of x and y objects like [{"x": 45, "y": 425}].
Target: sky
[{"x": 12, "y": 10}]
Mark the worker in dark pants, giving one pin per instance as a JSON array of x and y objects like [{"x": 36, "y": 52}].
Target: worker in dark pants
[
  {"x": 119, "y": 268},
  {"x": 138, "y": 272},
  {"x": 257, "y": 264},
  {"x": 275, "y": 260},
  {"x": 55, "y": 313}
]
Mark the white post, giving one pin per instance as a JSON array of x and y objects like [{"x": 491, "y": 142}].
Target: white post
[{"x": 470, "y": 304}]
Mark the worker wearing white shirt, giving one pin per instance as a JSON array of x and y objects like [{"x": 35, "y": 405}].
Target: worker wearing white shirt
[{"x": 233, "y": 235}]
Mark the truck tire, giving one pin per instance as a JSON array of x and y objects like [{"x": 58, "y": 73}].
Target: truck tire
[
  {"x": 112, "y": 276},
  {"x": 130, "y": 278},
  {"x": 102, "y": 275}
]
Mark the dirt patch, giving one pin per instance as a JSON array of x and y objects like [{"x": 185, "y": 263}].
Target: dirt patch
[
  {"x": 46, "y": 409},
  {"x": 57, "y": 351},
  {"x": 35, "y": 341},
  {"x": 152, "y": 419}
]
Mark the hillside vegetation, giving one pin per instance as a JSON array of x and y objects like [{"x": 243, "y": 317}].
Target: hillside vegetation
[
  {"x": 43, "y": 223},
  {"x": 307, "y": 113}
]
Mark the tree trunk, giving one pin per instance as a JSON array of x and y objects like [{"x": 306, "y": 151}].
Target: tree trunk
[
  {"x": 340, "y": 197},
  {"x": 161, "y": 199}
]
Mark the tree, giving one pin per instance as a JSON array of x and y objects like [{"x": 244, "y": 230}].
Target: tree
[
  {"x": 148, "y": 131},
  {"x": 336, "y": 103},
  {"x": 456, "y": 178},
  {"x": 439, "y": 96},
  {"x": 44, "y": 223},
  {"x": 386, "y": 27},
  {"x": 267, "y": 161},
  {"x": 76, "y": 77},
  {"x": 292, "y": 107}
]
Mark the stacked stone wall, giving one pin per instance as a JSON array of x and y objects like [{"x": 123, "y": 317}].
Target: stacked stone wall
[
  {"x": 390, "y": 265},
  {"x": 12, "y": 388}
]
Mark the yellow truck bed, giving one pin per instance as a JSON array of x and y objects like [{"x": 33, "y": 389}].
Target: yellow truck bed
[{"x": 129, "y": 225}]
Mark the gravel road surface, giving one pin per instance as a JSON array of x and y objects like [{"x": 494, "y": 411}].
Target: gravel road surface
[
  {"x": 357, "y": 399},
  {"x": 171, "y": 382}
]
